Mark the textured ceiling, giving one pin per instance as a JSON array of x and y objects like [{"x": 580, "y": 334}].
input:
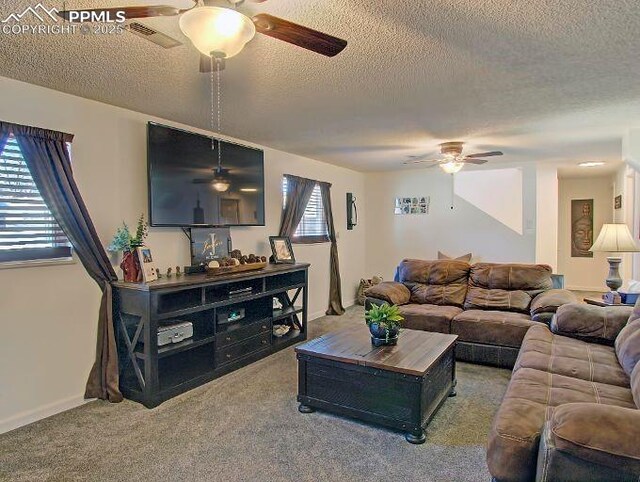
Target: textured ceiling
[{"x": 543, "y": 80}]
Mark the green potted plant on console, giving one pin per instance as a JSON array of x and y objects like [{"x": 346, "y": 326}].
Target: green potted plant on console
[
  {"x": 384, "y": 323},
  {"x": 123, "y": 241}
]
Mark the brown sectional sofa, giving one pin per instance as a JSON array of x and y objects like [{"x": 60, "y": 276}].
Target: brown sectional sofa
[
  {"x": 490, "y": 306},
  {"x": 570, "y": 412}
]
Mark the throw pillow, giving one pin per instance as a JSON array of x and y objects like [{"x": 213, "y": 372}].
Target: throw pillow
[
  {"x": 364, "y": 285},
  {"x": 464, "y": 257}
]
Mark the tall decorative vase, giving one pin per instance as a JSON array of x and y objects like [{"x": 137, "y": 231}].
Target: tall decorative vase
[{"x": 131, "y": 267}]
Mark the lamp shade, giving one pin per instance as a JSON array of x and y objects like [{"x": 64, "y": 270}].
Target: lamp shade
[
  {"x": 451, "y": 167},
  {"x": 615, "y": 238},
  {"x": 217, "y": 31}
]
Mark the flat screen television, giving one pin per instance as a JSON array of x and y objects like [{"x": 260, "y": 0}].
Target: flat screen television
[{"x": 189, "y": 187}]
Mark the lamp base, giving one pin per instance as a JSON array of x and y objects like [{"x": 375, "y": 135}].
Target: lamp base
[{"x": 614, "y": 281}]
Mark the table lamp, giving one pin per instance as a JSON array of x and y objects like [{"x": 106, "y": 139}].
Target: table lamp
[{"x": 614, "y": 238}]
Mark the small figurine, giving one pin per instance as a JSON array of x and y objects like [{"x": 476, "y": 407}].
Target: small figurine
[
  {"x": 158, "y": 273},
  {"x": 169, "y": 272},
  {"x": 178, "y": 272}
]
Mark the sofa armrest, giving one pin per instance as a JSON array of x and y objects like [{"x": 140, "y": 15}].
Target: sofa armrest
[
  {"x": 598, "y": 324},
  {"x": 391, "y": 292},
  {"x": 549, "y": 301},
  {"x": 591, "y": 436}
]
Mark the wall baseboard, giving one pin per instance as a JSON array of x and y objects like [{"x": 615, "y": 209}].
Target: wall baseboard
[
  {"x": 30, "y": 416},
  {"x": 597, "y": 289},
  {"x": 320, "y": 314}
]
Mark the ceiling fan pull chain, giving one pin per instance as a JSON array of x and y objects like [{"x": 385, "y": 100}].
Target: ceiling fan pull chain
[
  {"x": 218, "y": 61},
  {"x": 453, "y": 189},
  {"x": 216, "y": 102},
  {"x": 212, "y": 80}
]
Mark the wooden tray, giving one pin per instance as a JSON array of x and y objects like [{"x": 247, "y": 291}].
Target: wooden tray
[{"x": 236, "y": 269}]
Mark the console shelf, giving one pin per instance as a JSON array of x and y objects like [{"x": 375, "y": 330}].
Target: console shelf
[{"x": 150, "y": 374}]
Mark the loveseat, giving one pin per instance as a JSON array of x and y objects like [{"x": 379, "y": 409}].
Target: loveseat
[
  {"x": 490, "y": 306},
  {"x": 571, "y": 410}
]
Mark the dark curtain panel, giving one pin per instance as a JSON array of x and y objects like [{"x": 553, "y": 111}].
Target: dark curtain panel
[
  {"x": 4, "y": 135},
  {"x": 299, "y": 192},
  {"x": 45, "y": 153},
  {"x": 335, "y": 286}
]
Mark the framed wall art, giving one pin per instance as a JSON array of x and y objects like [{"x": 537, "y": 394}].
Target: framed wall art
[
  {"x": 581, "y": 228},
  {"x": 411, "y": 205}
]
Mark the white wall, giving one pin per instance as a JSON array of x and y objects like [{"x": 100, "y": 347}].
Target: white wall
[
  {"x": 584, "y": 273},
  {"x": 49, "y": 314},
  {"x": 547, "y": 216},
  {"x": 624, "y": 185},
  {"x": 390, "y": 238},
  {"x": 631, "y": 156}
]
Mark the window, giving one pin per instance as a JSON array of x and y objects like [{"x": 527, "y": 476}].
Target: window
[
  {"x": 313, "y": 226},
  {"x": 27, "y": 229}
]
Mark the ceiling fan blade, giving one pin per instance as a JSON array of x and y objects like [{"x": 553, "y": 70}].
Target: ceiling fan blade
[
  {"x": 421, "y": 161},
  {"x": 299, "y": 35},
  {"x": 129, "y": 12},
  {"x": 484, "y": 154},
  {"x": 152, "y": 35},
  {"x": 475, "y": 161},
  {"x": 205, "y": 64}
]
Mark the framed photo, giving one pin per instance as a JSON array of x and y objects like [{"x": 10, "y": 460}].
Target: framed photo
[
  {"x": 617, "y": 202},
  {"x": 282, "y": 250},
  {"x": 147, "y": 265}
]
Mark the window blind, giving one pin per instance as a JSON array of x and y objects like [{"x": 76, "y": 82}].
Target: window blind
[
  {"x": 313, "y": 225},
  {"x": 27, "y": 228}
]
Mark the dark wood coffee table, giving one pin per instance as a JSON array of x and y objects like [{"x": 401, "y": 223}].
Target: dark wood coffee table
[{"x": 400, "y": 386}]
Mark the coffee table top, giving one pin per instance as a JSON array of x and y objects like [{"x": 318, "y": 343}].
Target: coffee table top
[{"x": 414, "y": 354}]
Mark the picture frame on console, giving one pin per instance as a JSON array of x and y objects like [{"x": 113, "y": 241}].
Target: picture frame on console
[
  {"x": 147, "y": 264},
  {"x": 282, "y": 250}
]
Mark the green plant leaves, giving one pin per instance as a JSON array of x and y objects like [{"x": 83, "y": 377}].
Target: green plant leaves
[{"x": 384, "y": 314}]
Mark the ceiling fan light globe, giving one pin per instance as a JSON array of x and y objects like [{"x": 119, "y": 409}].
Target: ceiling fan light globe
[
  {"x": 217, "y": 31},
  {"x": 221, "y": 186},
  {"x": 451, "y": 167}
]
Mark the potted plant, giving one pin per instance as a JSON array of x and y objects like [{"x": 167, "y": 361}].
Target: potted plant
[
  {"x": 384, "y": 323},
  {"x": 123, "y": 241}
]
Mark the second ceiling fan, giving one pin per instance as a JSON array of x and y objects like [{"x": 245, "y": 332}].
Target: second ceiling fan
[
  {"x": 453, "y": 160},
  {"x": 221, "y": 32}
]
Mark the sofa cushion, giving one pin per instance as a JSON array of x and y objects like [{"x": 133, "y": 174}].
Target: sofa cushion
[
  {"x": 502, "y": 328},
  {"x": 599, "y": 324},
  {"x": 429, "y": 317},
  {"x": 628, "y": 346},
  {"x": 529, "y": 402},
  {"x": 549, "y": 301},
  {"x": 628, "y": 341},
  {"x": 389, "y": 291},
  {"x": 506, "y": 287},
  {"x": 435, "y": 282},
  {"x": 545, "y": 351},
  {"x": 599, "y": 434}
]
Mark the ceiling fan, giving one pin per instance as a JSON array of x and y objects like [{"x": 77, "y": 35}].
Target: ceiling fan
[
  {"x": 453, "y": 160},
  {"x": 217, "y": 32}
]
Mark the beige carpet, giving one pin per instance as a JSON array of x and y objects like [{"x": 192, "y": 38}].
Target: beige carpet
[{"x": 245, "y": 427}]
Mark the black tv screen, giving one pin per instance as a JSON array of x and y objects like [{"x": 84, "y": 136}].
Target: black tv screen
[{"x": 189, "y": 187}]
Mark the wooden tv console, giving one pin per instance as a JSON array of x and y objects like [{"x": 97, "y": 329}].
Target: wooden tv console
[{"x": 150, "y": 374}]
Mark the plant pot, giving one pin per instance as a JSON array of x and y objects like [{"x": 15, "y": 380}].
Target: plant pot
[
  {"x": 381, "y": 335},
  {"x": 131, "y": 267}
]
